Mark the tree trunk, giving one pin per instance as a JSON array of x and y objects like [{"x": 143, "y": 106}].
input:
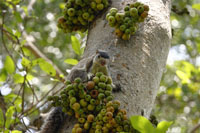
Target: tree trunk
[{"x": 137, "y": 65}]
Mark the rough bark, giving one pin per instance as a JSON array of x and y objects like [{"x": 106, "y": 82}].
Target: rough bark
[{"x": 137, "y": 65}]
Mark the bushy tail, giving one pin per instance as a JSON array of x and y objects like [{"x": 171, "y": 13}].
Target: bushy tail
[{"x": 54, "y": 121}]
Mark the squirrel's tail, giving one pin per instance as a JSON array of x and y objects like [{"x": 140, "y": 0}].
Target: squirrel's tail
[{"x": 54, "y": 121}]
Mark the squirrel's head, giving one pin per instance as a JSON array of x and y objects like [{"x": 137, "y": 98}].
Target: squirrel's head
[{"x": 101, "y": 57}]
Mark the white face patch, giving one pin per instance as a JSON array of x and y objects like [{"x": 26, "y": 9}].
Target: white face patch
[{"x": 100, "y": 59}]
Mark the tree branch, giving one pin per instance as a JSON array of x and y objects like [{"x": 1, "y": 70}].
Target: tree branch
[
  {"x": 3, "y": 41},
  {"x": 33, "y": 91},
  {"x": 23, "y": 89},
  {"x": 25, "y": 125},
  {"x": 26, "y": 112},
  {"x": 179, "y": 11},
  {"x": 30, "y": 5},
  {"x": 195, "y": 128},
  {"x": 37, "y": 53}
]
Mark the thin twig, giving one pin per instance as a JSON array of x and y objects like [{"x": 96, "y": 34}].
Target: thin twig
[
  {"x": 179, "y": 11},
  {"x": 14, "y": 124},
  {"x": 33, "y": 91},
  {"x": 28, "y": 113},
  {"x": 49, "y": 92},
  {"x": 41, "y": 100},
  {"x": 3, "y": 41},
  {"x": 17, "y": 94},
  {"x": 25, "y": 125},
  {"x": 11, "y": 34},
  {"x": 23, "y": 90},
  {"x": 3, "y": 34},
  {"x": 37, "y": 54},
  {"x": 195, "y": 128}
]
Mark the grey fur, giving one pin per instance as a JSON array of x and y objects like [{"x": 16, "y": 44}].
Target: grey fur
[
  {"x": 81, "y": 73},
  {"x": 53, "y": 122}
]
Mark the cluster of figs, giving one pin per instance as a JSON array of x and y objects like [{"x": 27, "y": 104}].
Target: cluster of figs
[
  {"x": 92, "y": 104},
  {"x": 79, "y": 14},
  {"x": 126, "y": 22}
]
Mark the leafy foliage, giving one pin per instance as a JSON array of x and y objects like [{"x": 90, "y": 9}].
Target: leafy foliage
[
  {"x": 196, "y": 6},
  {"x": 76, "y": 45},
  {"x": 1, "y": 119},
  {"x": 178, "y": 99},
  {"x": 163, "y": 126},
  {"x": 71, "y": 61},
  {"x": 47, "y": 67},
  {"x": 9, "y": 115},
  {"x": 9, "y": 65},
  {"x": 143, "y": 125}
]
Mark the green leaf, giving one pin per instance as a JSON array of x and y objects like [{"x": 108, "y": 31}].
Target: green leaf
[
  {"x": 8, "y": 29},
  {"x": 3, "y": 75},
  {"x": 14, "y": 1},
  {"x": 18, "y": 17},
  {"x": 185, "y": 67},
  {"x": 18, "y": 78},
  {"x": 163, "y": 126},
  {"x": 18, "y": 100},
  {"x": 76, "y": 45},
  {"x": 62, "y": 76},
  {"x": 26, "y": 51},
  {"x": 29, "y": 77},
  {"x": 16, "y": 131},
  {"x": 26, "y": 63},
  {"x": 11, "y": 31},
  {"x": 183, "y": 76},
  {"x": 196, "y": 6},
  {"x": 47, "y": 67},
  {"x": 17, "y": 104},
  {"x": 1, "y": 118},
  {"x": 10, "y": 97},
  {"x": 71, "y": 61},
  {"x": 6, "y": 131},
  {"x": 36, "y": 61},
  {"x": 9, "y": 115},
  {"x": 25, "y": 8},
  {"x": 9, "y": 65},
  {"x": 142, "y": 124},
  {"x": 18, "y": 34}
]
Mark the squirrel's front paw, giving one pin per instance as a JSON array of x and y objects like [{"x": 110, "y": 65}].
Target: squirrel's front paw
[{"x": 116, "y": 87}]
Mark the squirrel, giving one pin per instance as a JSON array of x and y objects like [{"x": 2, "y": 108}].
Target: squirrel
[{"x": 96, "y": 63}]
